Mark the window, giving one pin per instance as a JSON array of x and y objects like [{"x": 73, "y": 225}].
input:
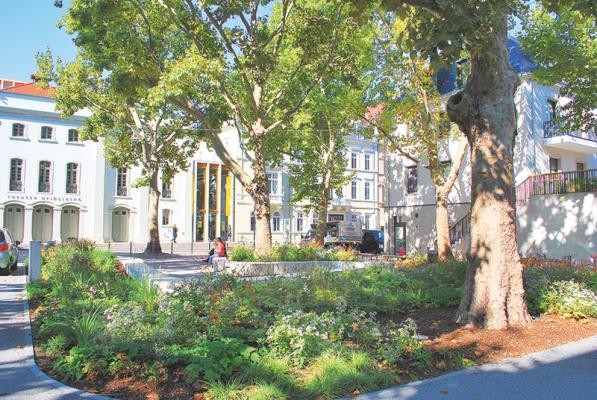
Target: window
[
  {"x": 272, "y": 183},
  {"x": 315, "y": 217},
  {"x": 73, "y": 135},
  {"x": 411, "y": 179},
  {"x": 43, "y": 185},
  {"x": 553, "y": 106},
  {"x": 580, "y": 166},
  {"x": 353, "y": 190},
  {"x": 16, "y": 175},
  {"x": 121, "y": 182},
  {"x": 367, "y": 162},
  {"x": 46, "y": 132},
  {"x": 299, "y": 222},
  {"x": 18, "y": 130},
  {"x": 335, "y": 217},
  {"x": 554, "y": 164},
  {"x": 166, "y": 189},
  {"x": 367, "y": 221},
  {"x": 354, "y": 218},
  {"x": 367, "y": 190},
  {"x": 72, "y": 178},
  {"x": 166, "y": 216},
  {"x": 276, "y": 222},
  {"x": 252, "y": 222},
  {"x": 353, "y": 160}
]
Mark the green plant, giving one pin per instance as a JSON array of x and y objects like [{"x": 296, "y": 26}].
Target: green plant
[
  {"x": 211, "y": 360},
  {"x": 81, "y": 328},
  {"x": 148, "y": 295},
  {"x": 399, "y": 342},
  {"x": 79, "y": 361},
  {"x": 55, "y": 345},
  {"x": 242, "y": 253},
  {"x": 569, "y": 298}
]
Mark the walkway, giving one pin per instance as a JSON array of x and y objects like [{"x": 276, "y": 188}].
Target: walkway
[{"x": 20, "y": 378}]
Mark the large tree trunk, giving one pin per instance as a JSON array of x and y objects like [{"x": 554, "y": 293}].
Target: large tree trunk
[
  {"x": 444, "y": 248},
  {"x": 322, "y": 215},
  {"x": 485, "y": 111},
  {"x": 260, "y": 195},
  {"x": 154, "y": 200}
]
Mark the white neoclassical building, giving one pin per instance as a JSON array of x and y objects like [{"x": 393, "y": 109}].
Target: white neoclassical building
[{"x": 54, "y": 186}]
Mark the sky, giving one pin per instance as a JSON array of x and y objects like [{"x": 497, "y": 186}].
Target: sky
[{"x": 28, "y": 27}]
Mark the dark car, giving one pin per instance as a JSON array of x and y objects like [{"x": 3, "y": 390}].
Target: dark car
[
  {"x": 372, "y": 241},
  {"x": 8, "y": 252}
]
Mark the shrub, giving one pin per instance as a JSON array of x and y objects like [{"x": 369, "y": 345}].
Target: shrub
[
  {"x": 569, "y": 298},
  {"x": 402, "y": 342},
  {"x": 301, "y": 336},
  {"x": 55, "y": 345},
  {"x": 242, "y": 253},
  {"x": 81, "y": 328}
]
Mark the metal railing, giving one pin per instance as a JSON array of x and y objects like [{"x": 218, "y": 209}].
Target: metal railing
[
  {"x": 16, "y": 186},
  {"x": 72, "y": 188},
  {"x": 557, "y": 128},
  {"x": 557, "y": 183},
  {"x": 43, "y": 187},
  {"x": 460, "y": 228}
]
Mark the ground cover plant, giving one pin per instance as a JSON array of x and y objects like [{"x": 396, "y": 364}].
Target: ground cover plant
[{"x": 322, "y": 335}]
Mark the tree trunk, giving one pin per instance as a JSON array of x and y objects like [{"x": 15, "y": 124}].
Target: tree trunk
[
  {"x": 493, "y": 294},
  {"x": 154, "y": 200},
  {"x": 322, "y": 215},
  {"x": 444, "y": 248},
  {"x": 260, "y": 195}
]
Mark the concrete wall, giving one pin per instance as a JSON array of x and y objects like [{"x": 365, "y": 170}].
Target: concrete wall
[{"x": 558, "y": 226}]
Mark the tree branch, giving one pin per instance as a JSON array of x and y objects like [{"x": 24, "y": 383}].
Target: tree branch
[{"x": 455, "y": 168}]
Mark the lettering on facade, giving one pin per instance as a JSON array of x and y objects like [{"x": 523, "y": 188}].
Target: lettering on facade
[{"x": 44, "y": 198}]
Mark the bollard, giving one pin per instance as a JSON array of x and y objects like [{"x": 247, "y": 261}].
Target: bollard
[
  {"x": 192, "y": 247},
  {"x": 130, "y": 248},
  {"x": 171, "y": 247},
  {"x": 34, "y": 261}
]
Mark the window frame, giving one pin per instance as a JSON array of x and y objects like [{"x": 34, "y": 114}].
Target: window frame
[
  {"x": 367, "y": 162},
  {"x": 273, "y": 183},
  {"x": 354, "y": 191},
  {"x": 47, "y": 174},
  {"x": 69, "y": 137},
  {"x": 77, "y": 174},
  {"x": 367, "y": 190},
  {"x": 276, "y": 222},
  {"x": 119, "y": 173},
  {"x": 354, "y": 162},
  {"x": 20, "y": 186},
  {"x": 21, "y": 130},
  {"x": 44, "y": 131},
  {"x": 410, "y": 177},
  {"x": 300, "y": 222},
  {"x": 166, "y": 216}
]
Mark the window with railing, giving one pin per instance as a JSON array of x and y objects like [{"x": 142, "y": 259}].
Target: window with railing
[
  {"x": 44, "y": 184},
  {"x": 122, "y": 182},
  {"x": 72, "y": 178},
  {"x": 47, "y": 132},
  {"x": 16, "y": 175},
  {"x": 18, "y": 130}
]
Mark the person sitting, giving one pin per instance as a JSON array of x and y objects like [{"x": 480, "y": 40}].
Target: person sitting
[{"x": 219, "y": 250}]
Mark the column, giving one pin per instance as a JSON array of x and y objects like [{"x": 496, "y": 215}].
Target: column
[
  {"x": 206, "y": 202},
  {"x": 28, "y": 225},
  {"x": 218, "y": 200},
  {"x": 56, "y": 223}
]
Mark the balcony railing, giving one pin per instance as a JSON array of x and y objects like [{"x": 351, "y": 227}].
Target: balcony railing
[
  {"x": 122, "y": 191},
  {"x": 72, "y": 188},
  {"x": 43, "y": 187},
  {"x": 557, "y": 128},
  {"x": 557, "y": 183},
  {"x": 15, "y": 186}
]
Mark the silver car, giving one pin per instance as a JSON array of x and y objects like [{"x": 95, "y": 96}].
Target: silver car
[{"x": 9, "y": 252}]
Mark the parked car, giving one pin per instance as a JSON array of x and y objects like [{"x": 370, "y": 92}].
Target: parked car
[
  {"x": 372, "y": 241},
  {"x": 338, "y": 233},
  {"x": 9, "y": 252}
]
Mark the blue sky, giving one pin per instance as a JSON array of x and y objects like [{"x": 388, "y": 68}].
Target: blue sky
[{"x": 28, "y": 27}]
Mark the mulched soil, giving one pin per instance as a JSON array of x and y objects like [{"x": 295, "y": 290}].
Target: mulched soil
[{"x": 449, "y": 343}]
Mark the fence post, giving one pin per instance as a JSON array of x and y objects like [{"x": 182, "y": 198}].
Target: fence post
[
  {"x": 34, "y": 261},
  {"x": 130, "y": 248}
]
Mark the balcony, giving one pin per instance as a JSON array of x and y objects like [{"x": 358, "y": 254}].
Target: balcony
[
  {"x": 557, "y": 183},
  {"x": 341, "y": 202},
  {"x": 557, "y": 136},
  {"x": 15, "y": 186}
]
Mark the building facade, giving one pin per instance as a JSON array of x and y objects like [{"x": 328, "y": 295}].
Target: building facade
[{"x": 53, "y": 186}]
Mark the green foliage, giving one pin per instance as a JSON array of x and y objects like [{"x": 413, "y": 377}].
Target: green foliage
[
  {"x": 211, "y": 359},
  {"x": 291, "y": 252},
  {"x": 55, "y": 345},
  {"x": 569, "y": 298},
  {"x": 561, "y": 41},
  {"x": 82, "y": 328}
]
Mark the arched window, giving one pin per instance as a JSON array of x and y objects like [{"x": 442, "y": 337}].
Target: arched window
[
  {"x": 276, "y": 222},
  {"x": 252, "y": 222},
  {"x": 18, "y": 130},
  {"x": 47, "y": 132}
]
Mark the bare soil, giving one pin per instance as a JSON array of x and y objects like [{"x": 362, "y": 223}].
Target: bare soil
[{"x": 451, "y": 345}]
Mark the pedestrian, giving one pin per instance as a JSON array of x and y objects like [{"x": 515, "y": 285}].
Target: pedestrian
[
  {"x": 228, "y": 232},
  {"x": 219, "y": 250},
  {"x": 174, "y": 233}
]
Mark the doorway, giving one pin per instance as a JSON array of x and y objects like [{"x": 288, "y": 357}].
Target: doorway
[{"x": 399, "y": 236}]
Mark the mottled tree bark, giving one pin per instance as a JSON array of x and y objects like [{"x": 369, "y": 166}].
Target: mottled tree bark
[
  {"x": 442, "y": 226},
  {"x": 485, "y": 111},
  {"x": 154, "y": 200}
]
